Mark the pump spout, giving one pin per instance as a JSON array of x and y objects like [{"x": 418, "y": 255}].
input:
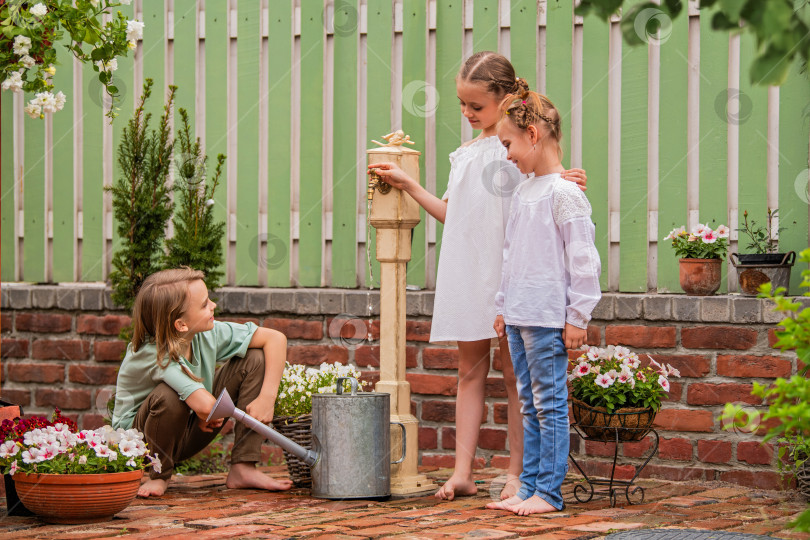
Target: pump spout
[{"x": 224, "y": 407}]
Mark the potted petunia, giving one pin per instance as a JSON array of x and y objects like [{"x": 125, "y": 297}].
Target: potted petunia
[
  {"x": 612, "y": 394},
  {"x": 701, "y": 253},
  {"x": 66, "y": 475}
]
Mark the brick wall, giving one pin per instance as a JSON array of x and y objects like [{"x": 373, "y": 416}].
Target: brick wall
[{"x": 60, "y": 348}]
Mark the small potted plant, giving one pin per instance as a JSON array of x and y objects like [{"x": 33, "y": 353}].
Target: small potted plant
[
  {"x": 292, "y": 415},
  {"x": 701, "y": 253},
  {"x": 65, "y": 475},
  {"x": 764, "y": 263},
  {"x": 611, "y": 390}
]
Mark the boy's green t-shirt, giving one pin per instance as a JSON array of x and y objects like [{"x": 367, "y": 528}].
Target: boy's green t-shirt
[{"x": 140, "y": 374}]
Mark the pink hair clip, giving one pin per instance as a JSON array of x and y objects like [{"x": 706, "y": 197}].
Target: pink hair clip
[{"x": 524, "y": 102}]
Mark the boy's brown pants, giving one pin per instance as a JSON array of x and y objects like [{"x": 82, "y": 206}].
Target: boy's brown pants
[{"x": 171, "y": 428}]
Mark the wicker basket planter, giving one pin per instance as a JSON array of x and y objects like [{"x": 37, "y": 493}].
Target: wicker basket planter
[
  {"x": 299, "y": 430},
  {"x": 598, "y": 424}
]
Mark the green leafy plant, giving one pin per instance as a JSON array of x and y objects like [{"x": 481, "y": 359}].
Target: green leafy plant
[
  {"x": 141, "y": 202},
  {"x": 788, "y": 399},
  {"x": 761, "y": 236},
  {"x": 212, "y": 460},
  {"x": 30, "y": 31},
  {"x": 701, "y": 243},
  {"x": 197, "y": 240},
  {"x": 614, "y": 378},
  {"x": 299, "y": 382}
]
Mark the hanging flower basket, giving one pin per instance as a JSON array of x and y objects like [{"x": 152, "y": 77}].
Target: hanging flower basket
[
  {"x": 633, "y": 423},
  {"x": 299, "y": 430}
]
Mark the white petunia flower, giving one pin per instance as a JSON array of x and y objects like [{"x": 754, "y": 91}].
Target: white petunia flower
[
  {"x": 131, "y": 462},
  {"x": 39, "y": 10},
  {"x": 110, "y": 66},
  {"x": 22, "y": 44},
  {"x": 134, "y": 30},
  {"x": 13, "y": 82},
  {"x": 27, "y": 61},
  {"x": 8, "y": 449},
  {"x": 82, "y": 460}
]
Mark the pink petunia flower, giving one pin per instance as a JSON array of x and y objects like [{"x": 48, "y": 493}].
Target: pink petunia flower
[
  {"x": 709, "y": 236},
  {"x": 663, "y": 382},
  {"x": 605, "y": 381},
  {"x": 582, "y": 369},
  {"x": 722, "y": 231}
]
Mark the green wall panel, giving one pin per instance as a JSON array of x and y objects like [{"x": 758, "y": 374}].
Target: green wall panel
[
  {"x": 523, "y": 40},
  {"x": 8, "y": 235},
  {"x": 93, "y": 120},
  {"x": 63, "y": 207},
  {"x": 34, "y": 199},
  {"x": 559, "y": 36},
  {"x": 485, "y": 25},
  {"x": 154, "y": 56}
]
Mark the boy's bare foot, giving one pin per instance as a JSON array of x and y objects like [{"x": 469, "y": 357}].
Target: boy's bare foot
[
  {"x": 511, "y": 487},
  {"x": 153, "y": 488},
  {"x": 456, "y": 486},
  {"x": 534, "y": 505},
  {"x": 245, "y": 475},
  {"x": 509, "y": 504}
]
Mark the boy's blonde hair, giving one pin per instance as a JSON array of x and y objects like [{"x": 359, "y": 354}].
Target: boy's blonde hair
[
  {"x": 161, "y": 301},
  {"x": 526, "y": 108}
]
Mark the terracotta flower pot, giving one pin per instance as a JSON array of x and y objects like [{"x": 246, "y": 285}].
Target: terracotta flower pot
[
  {"x": 700, "y": 277},
  {"x": 77, "y": 498}
]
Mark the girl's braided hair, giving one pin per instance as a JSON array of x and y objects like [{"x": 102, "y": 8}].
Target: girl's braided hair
[
  {"x": 492, "y": 70},
  {"x": 526, "y": 108}
]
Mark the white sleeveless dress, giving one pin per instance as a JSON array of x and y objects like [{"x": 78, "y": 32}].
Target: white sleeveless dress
[{"x": 479, "y": 194}]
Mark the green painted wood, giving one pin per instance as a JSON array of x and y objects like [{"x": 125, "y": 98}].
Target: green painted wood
[
  {"x": 378, "y": 100},
  {"x": 753, "y": 125},
  {"x": 216, "y": 98},
  {"x": 595, "y": 132},
  {"x": 185, "y": 63},
  {"x": 633, "y": 200},
  {"x": 8, "y": 230},
  {"x": 485, "y": 25},
  {"x": 793, "y": 168},
  {"x": 62, "y": 187},
  {"x": 713, "y": 129},
  {"x": 154, "y": 56},
  {"x": 311, "y": 165},
  {"x": 92, "y": 244},
  {"x": 449, "y": 38},
  {"x": 247, "y": 133},
  {"x": 34, "y": 199},
  {"x": 344, "y": 162},
  {"x": 673, "y": 146},
  {"x": 414, "y": 45},
  {"x": 523, "y": 37},
  {"x": 559, "y": 39},
  {"x": 124, "y": 79},
  {"x": 279, "y": 149}
]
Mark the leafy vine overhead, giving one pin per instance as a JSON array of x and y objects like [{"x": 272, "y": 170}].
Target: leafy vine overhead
[{"x": 781, "y": 27}]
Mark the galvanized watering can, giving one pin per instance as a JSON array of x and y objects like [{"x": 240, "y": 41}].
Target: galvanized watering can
[{"x": 351, "y": 438}]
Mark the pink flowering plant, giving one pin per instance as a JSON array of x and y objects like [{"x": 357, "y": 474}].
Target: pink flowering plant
[
  {"x": 38, "y": 446},
  {"x": 613, "y": 378},
  {"x": 700, "y": 243}
]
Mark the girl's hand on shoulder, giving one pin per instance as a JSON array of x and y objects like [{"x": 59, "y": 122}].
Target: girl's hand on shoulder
[
  {"x": 573, "y": 336},
  {"x": 392, "y": 174},
  {"x": 578, "y": 176},
  {"x": 499, "y": 326},
  {"x": 261, "y": 409}
]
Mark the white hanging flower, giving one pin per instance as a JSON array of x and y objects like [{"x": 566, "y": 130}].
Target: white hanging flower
[
  {"x": 14, "y": 82},
  {"x": 27, "y": 61},
  {"x": 131, "y": 462},
  {"x": 132, "y": 44},
  {"x": 134, "y": 30},
  {"x": 60, "y": 100},
  {"x": 39, "y": 10},
  {"x": 94, "y": 3},
  {"x": 22, "y": 44},
  {"x": 50, "y": 70},
  {"x": 155, "y": 463},
  {"x": 47, "y": 101},
  {"x": 108, "y": 66}
]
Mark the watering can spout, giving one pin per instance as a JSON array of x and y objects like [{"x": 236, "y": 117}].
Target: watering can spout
[{"x": 224, "y": 407}]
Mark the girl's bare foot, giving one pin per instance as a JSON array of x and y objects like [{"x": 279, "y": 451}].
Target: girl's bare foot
[
  {"x": 245, "y": 475},
  {"x": 534, "y": 505},
  {"x": 509, "y": 504},
  {"x": 456, "y": 486},
  {"x": 153, "y": 488},
  {"x": 511, "y": 487}
]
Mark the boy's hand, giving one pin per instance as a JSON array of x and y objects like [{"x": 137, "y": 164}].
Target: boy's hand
[
  {"x": 573, "y": 336},
  {"x": 392, "y": 174},
  {"x": 261, "y": 409},
  {"x": 578, "y": 176},
  {"x": 208, "y": 427},
  {"x": 499, "y": 326}
]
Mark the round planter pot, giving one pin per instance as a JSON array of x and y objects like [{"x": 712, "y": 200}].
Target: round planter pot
[
  {"x": 756, "y": 269},
  {"x": 700, "y": 277},
  {"x": 631, "y": 424},
  {"x": 77, "y": 498}
]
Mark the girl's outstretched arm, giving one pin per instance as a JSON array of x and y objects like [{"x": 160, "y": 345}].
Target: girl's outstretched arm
[
  {"x": 394, "y": 175},
  {"x": 274, "y": 345}
]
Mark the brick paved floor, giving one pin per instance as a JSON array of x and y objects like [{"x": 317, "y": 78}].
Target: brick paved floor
[{"x": 202, "y": 507}]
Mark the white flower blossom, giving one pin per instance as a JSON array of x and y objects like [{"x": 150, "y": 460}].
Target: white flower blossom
[
  {"x": 27, "y": 61},
  {"x": 22, "y": 44},
  {"x": 14, "y": 468},
  {"x": 8, "y": 449},
  {"x": 39, "y": 10},
  {"x": 109, "y": 66},
  {"x": 82, "y": 460},
  {"x": 13, "y": 82},
  {"x": 94, "y": 3},
  {"x": 134, "y": 30}
]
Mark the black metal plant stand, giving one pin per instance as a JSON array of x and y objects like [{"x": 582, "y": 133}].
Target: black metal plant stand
[{"x": 612, "y": 487}]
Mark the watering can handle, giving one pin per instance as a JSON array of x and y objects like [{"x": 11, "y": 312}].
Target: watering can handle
[
  {"x": 404, "y": 442},
  {"x": 339, "y": 382}
]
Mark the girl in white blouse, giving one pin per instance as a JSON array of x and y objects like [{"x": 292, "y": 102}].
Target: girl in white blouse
[
  {"x": 474, "y": 211},
  {"x": 549, "y": 287}
]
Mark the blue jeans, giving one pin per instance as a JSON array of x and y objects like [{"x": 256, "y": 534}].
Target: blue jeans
[{"x": 541, "y": 364}]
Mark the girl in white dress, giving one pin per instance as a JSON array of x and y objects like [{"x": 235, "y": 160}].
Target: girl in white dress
[{"x": 474, "y": 211}]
